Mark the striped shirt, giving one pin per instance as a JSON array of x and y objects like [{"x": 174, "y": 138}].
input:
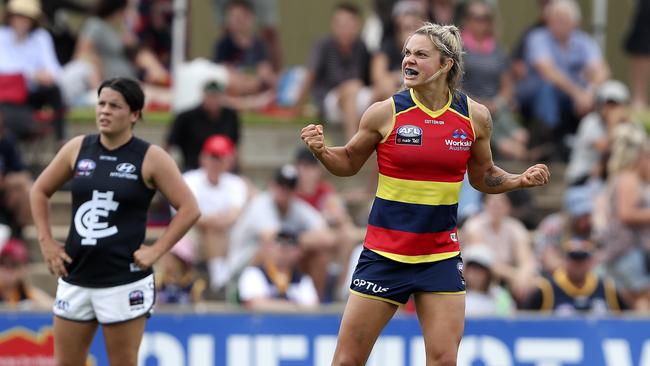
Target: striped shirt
[{"x": 421, "y": 167}]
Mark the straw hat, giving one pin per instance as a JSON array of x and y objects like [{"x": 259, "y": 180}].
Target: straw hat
[{"x": 28, "y": 8}]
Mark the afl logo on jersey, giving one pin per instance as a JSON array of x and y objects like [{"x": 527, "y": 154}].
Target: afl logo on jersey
[
  {"x": 85, "y": 168},
  {"x": 409, "y": 135}
]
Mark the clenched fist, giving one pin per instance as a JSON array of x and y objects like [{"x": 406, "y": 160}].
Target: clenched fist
[{"x": 313, "y": 137}]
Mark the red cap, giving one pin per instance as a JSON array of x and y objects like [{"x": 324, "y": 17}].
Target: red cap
[
  {"x": 14, "y": 249},
  {"x": 219, "y": 145}
]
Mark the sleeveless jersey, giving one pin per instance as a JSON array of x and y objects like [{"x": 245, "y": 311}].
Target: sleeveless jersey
[
  {"x": 422, "y": 162},
  {"x": 560, "y": 295},
  {"x": 109, "y": 213}
]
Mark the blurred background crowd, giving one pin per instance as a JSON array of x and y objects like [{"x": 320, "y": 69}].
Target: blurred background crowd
[{"x": 290, "y": 242}]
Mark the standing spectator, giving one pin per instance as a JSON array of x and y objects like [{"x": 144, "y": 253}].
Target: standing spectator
[
  {"x": 565, "y": 67},
  {"x": 244, "y": 53},
  {"x": 15, "y": 291},
  {"x": 483, "y": 296},
  {"x": 595, "y": 131},
  {"x": 28, "y": 50},
  {"x": 277, "y": 283},
  {"x": 488, "y": 81},
  {"x": 338, "y": 71},
  {"x": 191, "y": 128},
  {"x": 221, "y": 196},
  {"x": 275, "y": 210},
  {"x": 626, "y": 237},
  {"x": 574, "y": 287},
  {"x": 637, "y": 46},
  {"x": 508, "y": 239}
]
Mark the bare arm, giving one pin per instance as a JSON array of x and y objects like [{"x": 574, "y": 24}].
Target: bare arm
[
  {"x": 628, "y": 196},
  {"x": 347, "y": 160},
  {"x": 483, "y": 174},
  {"x": 52, "y": 178},
  {"x": 161, "y": 172},
  {"x": 549, "y": 72}
]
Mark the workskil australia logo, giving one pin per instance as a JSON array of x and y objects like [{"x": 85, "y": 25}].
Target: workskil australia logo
[{"x": 459, "y": 141}]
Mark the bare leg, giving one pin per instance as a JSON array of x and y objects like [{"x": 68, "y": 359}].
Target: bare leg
[
  {"x": 639, "y": 71},
  {"x": 72, "y": 341},
  {"x": 442, "y": 318},
  {"x": 123, "y": 341},
  {"x": 348, "y": 93},
  {"x": 362, "y": 322}
]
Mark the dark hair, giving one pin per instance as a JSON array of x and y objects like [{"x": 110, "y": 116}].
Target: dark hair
[
  {"x": 349, "y": 7},
  {"x": 239, "y": 3},
  {"x": 106, "y": 8},
  {"x": 130, "y": 90}
]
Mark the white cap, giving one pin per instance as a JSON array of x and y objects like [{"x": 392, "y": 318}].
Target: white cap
[
  {"x": 478, "y": 253},
  {"x": 613, "y": 91}
]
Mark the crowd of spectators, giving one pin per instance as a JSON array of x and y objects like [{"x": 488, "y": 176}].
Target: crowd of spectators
[{"x": 289, "y": 245}]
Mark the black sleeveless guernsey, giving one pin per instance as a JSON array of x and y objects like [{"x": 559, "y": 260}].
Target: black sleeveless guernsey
[{"x": 109, "y": 213}]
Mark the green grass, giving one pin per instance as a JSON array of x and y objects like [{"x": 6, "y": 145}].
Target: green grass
[{"x": 87, "y": 116}]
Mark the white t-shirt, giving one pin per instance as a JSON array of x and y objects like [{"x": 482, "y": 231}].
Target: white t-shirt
[
  {"x": 584, "y": 156},
  {"x": 262, "y": 215},
  {"x": 230, "y": 192},
  {"x": 254, "y": 284}
]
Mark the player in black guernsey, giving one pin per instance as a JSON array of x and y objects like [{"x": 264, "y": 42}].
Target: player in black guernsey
[{"x": 105, "y": 272}]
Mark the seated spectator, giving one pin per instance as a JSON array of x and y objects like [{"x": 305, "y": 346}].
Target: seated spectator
[
  {"x": 15, "y": 181},
  {"x": 107, "y": 48},
  {"x": 177, "y": 280},
  {"x": 276, "y": 210},
  {"x": 488, "y": 81},
  {"x": 574, "y": 221},
  {"x": 154, "y": 29},
  {"x": 443, "y": 11},
  {"x": 191, "y": 128},
  {"x": 386, "y": 63},
  {"x": 626, "y": 236},
  {"x": 338, "y": 72},
  {"x": 575, "y": 288},
  {"x": 266, "y": 14},
  {"x": 15, "y": 291},
  {"x": 593, "y": 139},
  {"x": 565, "y": 68},
  {"x": 245, "y": 55},
  {"x": 28, "y": 51},
  {"x": 277, "y": 283},
  {"x": 321, "y": 195},
  {"x": 519, "y": 67},
  {"x": 514, "y": 263},
  {"x": 483, "y": 297},
  {"x": 221, "y": 196}
]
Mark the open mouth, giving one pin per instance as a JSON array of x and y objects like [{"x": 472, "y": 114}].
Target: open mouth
[{"x": 410, "y": 72}]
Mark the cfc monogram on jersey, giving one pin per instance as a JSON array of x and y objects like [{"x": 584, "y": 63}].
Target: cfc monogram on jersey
[
  {"x": 109, "y": 210},
  {"x": 422, "y": 163}
]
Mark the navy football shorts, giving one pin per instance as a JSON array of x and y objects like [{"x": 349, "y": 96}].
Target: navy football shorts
[{"x": 384, "y": 279}]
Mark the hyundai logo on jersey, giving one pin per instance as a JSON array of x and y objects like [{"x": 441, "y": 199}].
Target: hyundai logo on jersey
[
  {"x": 409, "y": 135},
  {"x": 125, "y": 168}
]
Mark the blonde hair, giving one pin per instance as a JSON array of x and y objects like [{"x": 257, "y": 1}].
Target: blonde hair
[
  {"x": 630, "y": 141},
  {"x": 447, "y": 39}
]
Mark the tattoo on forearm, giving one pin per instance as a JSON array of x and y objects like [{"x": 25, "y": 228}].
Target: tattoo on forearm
[{"x": 494, "y": 181}]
